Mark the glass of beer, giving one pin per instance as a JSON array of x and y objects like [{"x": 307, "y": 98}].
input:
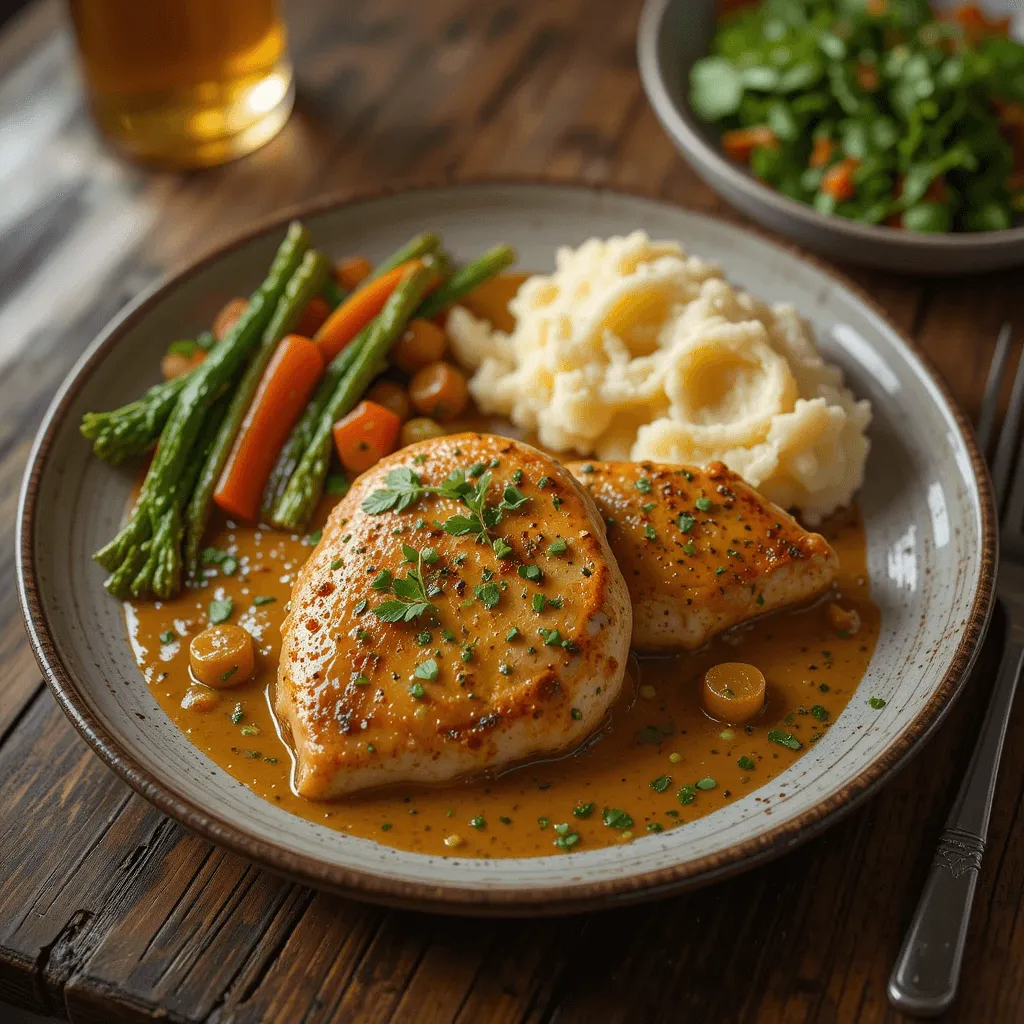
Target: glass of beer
[{"x": 185, "y": 83}]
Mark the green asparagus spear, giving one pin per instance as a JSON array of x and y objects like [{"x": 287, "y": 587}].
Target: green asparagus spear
[
  {"x": 179, "y": 436},
  {"x": 302, "y": 433},
  {"x": 307, "y": 280},
  {"x": 119, "y": 434},
  {"x": 307, "y": 482},
  {"x": 466, "y": 278}
]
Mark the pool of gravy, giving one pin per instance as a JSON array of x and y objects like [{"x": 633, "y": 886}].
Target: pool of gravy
[
  {"x": 638, "y": 774},
  {"x": 656, "y": 741}
]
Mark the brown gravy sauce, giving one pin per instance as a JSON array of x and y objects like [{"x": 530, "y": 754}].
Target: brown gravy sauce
[{"x": 656, "y": 734}]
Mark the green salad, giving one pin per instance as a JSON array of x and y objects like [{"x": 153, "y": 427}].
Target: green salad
[{"x": 875, "y": 110}]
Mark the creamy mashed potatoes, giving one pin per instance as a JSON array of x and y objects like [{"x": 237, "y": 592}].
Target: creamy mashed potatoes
[{"x": 633, "y": 350}]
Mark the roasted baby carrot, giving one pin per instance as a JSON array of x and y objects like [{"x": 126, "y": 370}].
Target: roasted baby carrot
[
  {"x": 312, "y": 318},
  {"x": 229, "y": 316},
  {"x": 345, "y": 323},
  {"x": 289, "y": 380},
  {"x": 351, "y": 273},
  {"x": 366, "y": 435}
]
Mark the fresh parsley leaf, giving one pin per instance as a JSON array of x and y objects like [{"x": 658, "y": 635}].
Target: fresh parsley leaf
[
  {"x": 558, "y": 547},
  {"x": 746, "y": 763},
  {"x": 661, "y": 783},
  {"x": 643, "y": 485},
  {"x": 263, "y": 599},
  {"x": 538, "y": 602},
  {"x": 567, "y": 841},
  {"x": 220, "y": 610},
  {"x": 551, "y": 637},
  {"x": 426, "y": 669},
  {"x": 531, "y": 572},
  {"x": 168, "y": 636},
  {"x": 686, "y": 522},
  {"x": 501, "y": 547},
  {"x": 877, "y": 703},
  {"x": 614, "y": 818},
  {"x": 382, "y": 581},
  {"x": 706, "y": 783},
  {"x": 819, "y": 713},
  {"x": 704, "y": 504},
  {"x": 784, "y": 739},
  {"x": 583, "y": 810},
  {"x": 686, "y": 795},
  {"x": 488, "y": 594}
]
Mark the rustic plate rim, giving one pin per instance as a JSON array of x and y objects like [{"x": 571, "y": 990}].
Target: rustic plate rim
[{"x": 571, "y": 897}]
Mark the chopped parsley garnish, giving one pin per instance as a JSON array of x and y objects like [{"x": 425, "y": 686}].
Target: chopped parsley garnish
[
  {"x": 577, "y": 715},
  {"x": 614, "y": 818},
  {"x": 746, "y": 763},
  {"x": 238, "y": 714},
  {"x": 426, "y": 669},
  {"x": 386, "y": 827},
  {"x": 543, "y": 822},
  {"x": 557, "y": 547},
  {"x": 501, "y": 547},
  {"x": 819, "y": 713},
  {"x": 224, "y": 560},
  {"x": 488, "y": 594},
  {"x": 687, "y": 795},
  {"x": 649, "y": 533},
  {"x": 417, "y": 691},
  {"x": 760, "y": 600},
  {"x": 877, "y": 703},
  {"x": 478, "y": 822},
  {"x": 690, "y": 548},
  {"x": 544, "y": 481},
  {"x": 220, "y": 610},
  {"x": 784, "y": 739},
  {"x": 225, "y": 676},
  {"x": 360, "y": 606},
  {"x": 567, "y": 840},
  {"x": 517, "y": 476},
  {"x": 643, "y": 485},
  {"x": 655, "y": 826},
  {"x": 337, "y": 563},
  {"x": 648, "y": 506},
  {"x": 661, "y": 783},
  {"x": 706, "y": 783},
  {"x": 703, "y": 504},
  {"x": 263, "y": 599},
  {"x": 382, "y": 581},
  {"x": 531, "y": 572},
  {"x": 538, "y": 602},
  {"x": 360, "y": 681},
  {"x": 504, "y": 820},
  {"x": 584, "y": 810},
  {"x": 430, "y": 556},
  {"x": 410, "y": 600},
  {"x": 337, "y": 485},
  {"x": 312, "y": 539},
  {"x": 720, "y": 570},
  {"x": 423, "y": 638},
  {"x": 512, "y": 634},
  {"x": 168, "y": 636},
  {"x": 475, "y": 470},
  {"x": 550, "y": 637}
]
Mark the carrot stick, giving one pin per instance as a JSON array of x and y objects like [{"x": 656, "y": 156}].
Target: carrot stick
[
  {"x": 363, "y": 437},
  {"x": 351, "y": 273},
  {"x": 289, "y": 380},
  {"x": 228, "y": 317},
  {"x": 345, "y": 323}
]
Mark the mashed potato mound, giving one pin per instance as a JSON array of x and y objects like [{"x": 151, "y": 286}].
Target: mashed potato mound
[{"x": 633, "y": 350}]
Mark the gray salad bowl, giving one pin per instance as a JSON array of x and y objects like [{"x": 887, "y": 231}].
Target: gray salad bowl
[{"x": 672, "y": 36}]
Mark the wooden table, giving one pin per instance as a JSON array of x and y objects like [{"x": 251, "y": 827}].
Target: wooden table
[{"x": 110, "y": 912}]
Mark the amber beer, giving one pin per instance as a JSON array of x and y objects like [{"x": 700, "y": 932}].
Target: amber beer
[{"x": 185, "y": 83}]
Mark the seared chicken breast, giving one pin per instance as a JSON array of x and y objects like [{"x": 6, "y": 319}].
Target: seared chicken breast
[
  {"x": 701, "y": 550},
  {"x": 461, "y": 611}
]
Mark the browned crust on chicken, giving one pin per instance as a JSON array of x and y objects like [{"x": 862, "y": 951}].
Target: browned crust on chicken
[
  {"x": 701, "y": 550},
  {"x": 348, "y": 688}
]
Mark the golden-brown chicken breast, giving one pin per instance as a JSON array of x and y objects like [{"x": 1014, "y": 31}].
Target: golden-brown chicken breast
[
  {"x": 462, "y": 611},
  {"x": 701, "y": 550}
]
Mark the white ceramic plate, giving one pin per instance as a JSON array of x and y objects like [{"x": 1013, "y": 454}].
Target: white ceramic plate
[{"x": 926, "y": 504}]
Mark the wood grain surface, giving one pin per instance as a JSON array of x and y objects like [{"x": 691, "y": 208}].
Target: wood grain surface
[{"x": 110, "y": 912}]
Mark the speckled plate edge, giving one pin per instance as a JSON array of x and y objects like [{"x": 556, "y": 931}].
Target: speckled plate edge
[{"x": 771, "y": 843}]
